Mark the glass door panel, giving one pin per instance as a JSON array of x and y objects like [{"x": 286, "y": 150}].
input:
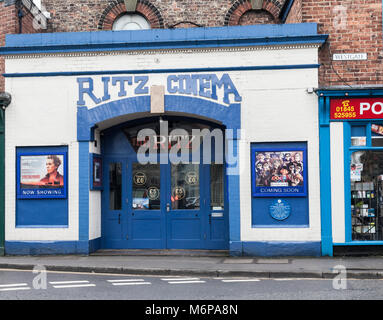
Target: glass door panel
[
  {"x": 185, "y": 188},
  {"x": 146, "y": 227},
  {"x": 146, "y": 186}
]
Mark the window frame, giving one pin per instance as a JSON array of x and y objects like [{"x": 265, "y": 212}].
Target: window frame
[
  {"x": 135, "y": 18},
  {"x": 348, "y": 150}
]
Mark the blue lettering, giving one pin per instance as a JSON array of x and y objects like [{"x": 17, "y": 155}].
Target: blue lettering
[
  {"x": 122, "y": 81},
  {"x": 106, "y": 88},
  {"x": 229, "y": 88},
  {"x": 191, "y": 85},
  {"x": 142, "y": 81},
  {"x": 204, "y": 83},
  {"x": 172, "y": 89},
  {"x": 83, "y": 90}
]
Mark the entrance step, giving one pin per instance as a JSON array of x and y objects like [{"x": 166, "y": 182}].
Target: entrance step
[{"x": 158, "y": 252}]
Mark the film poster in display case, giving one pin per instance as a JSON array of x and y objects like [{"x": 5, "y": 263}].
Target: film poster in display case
[
  {"x": 279, "y": 172},
  {"x": 41, "y": 175}
]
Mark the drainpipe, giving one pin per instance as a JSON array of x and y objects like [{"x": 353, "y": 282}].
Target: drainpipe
[
  {"x": 20, "y": 15},
  {"x": 5, "y": 100}
]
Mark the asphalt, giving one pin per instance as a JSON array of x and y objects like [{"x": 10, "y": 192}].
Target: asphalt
[{"x": 370, "y": 267}]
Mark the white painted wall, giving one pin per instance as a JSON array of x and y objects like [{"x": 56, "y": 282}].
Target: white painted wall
[
  {"x": 41, "y": 114},
  {"x": 337, "y": 182},
  {"x": 95, "y": 197},
  {"x": 275, "y": 108}
]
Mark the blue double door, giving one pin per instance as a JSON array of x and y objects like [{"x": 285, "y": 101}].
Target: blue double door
[{"x": 162, "y": 205}]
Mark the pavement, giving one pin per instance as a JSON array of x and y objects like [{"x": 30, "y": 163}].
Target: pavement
[{"x": 146, "y": 263}]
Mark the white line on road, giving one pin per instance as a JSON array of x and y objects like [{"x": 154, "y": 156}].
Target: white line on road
[
  {"x": 14, "y": 289},
  {"x": 69, "y": 282},
  {"x": 182, "y": 282},
  {"x": 298, "y": 279},
  {"x": 75, "y": 286},
  {"x": 125, "y": 280},
  {"x": 179, "y": 279},
  {"x": 13, "y": 285},
  {"x": 240, "y": 280},
  {"x": 129, "y": 283}
]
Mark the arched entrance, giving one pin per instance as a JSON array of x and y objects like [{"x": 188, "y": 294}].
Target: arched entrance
[{"x": 168, "y": 191}]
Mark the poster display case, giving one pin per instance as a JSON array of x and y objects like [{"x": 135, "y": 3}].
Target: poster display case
[
  {"x": 42, "y": 175},
  {"x": 279, "y": 172}
]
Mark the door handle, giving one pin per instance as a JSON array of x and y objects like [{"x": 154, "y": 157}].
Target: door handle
[
  {"x": 167, "y": 207},
  {"x": 119, "y": 218}
]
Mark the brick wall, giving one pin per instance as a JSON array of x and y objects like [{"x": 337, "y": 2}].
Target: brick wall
[
  {"x": 7, "y": 25},
  {"x": 70, "y": 16},
  {"x": 353, "y": 26},
  {"x": 256, "y": 17},
  {"x": 295, "y": 14},
  {"x": 85, "y": 15}
]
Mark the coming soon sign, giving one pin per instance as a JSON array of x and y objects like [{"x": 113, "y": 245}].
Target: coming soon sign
[{"x": 354, "y": 109}]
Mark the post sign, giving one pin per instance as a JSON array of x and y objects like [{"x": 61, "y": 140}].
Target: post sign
[{"x": 355, "y": 109}]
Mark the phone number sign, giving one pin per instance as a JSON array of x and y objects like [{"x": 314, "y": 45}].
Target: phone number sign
[{"x": 354, "y": 109}]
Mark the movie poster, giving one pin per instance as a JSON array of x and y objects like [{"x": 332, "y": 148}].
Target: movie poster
[
  {"x": 279, "y": 173},
  {"x": 96, "y": 182},
  {"x": 41, "y": 176}
]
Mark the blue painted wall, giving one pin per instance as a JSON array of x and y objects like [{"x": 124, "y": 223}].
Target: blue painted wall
[
  {"x": 299, "y": 216},
  {"x": 163, "y": 38},
  {"x": 41, "y": 212}
]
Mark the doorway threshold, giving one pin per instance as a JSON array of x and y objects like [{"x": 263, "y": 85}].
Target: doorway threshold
[{"x": 161, "y": 252}]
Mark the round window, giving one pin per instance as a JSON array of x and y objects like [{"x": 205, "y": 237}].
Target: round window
[{"x": 130, "y": 22}]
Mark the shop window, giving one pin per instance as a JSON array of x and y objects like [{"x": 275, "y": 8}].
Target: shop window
[
  {"x": 366, "y": 195},
  {"x": 358, "y": 135},
  {"x": 366, "y": 175},
  {"x": 376, "y": 135}
]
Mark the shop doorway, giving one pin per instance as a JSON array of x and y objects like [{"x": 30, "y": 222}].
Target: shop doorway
[{"x": 177, "y": 200}]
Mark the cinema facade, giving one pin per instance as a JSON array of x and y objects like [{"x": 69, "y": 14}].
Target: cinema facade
[{"x": 203, "y": 138}]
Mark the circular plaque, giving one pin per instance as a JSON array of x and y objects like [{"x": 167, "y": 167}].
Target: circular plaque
[
  {"x": 179, "y": 193},
  {"x": 153, "y": 193},
  {"x": 139, "y": 178},
  {"x": 280, "y": 210},
  {"x": 191, "y": 178}
]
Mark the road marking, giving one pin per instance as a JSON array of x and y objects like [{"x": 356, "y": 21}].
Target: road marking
[
  {"x": 75, "y": 286},
  {"x": 129, "y": 283},
  {"x": 69, "y": 282},
  {"x": 13, "y": 285},
  {"x": 240, "y": 280},
  {"x": 183, "y": 282},
  {"x": 125, "y": 280},
  {"x": 179, "y": 279},
  {"x": 14, "y": 289},
  {"x": 297, "y": 279}
]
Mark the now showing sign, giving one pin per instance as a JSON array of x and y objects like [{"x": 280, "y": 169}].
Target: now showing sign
[{"x": 353, "y": 109}]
